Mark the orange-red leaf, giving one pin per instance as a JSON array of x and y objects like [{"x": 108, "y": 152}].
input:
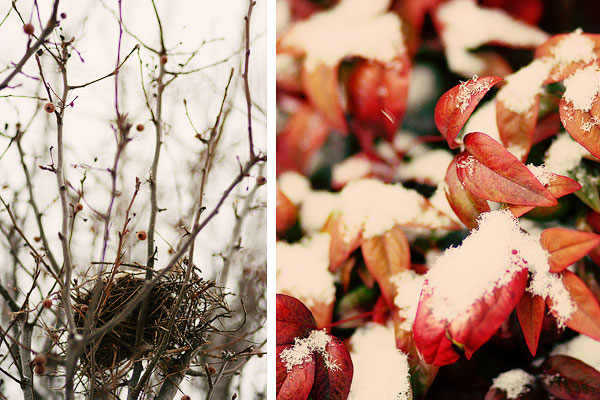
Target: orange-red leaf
[
  {"x": 466, "y": 206},
  {"x": 567, "y": 246},
  {"x": 516, "y": 129},
  {"x": 333, "y": 383},
  {"x": 586, "y": 317},
  {"x": 439, "y": 339},
  {"x": 583, "y": 126},
  {"x": 455, "y": 106},
  {"x": 560, "y": 71},
  {"x": 286, "y": 212},
  {"x": 530, "y": 312},
  {"x": 559, "y": 186},
  {"x": 491, "y": 172},
  {"x": 321, "y": 84},
  {"x": 293, "y": 318},
  {"x": 341, "y": 247},
  {"x": 385, "y": 256}
]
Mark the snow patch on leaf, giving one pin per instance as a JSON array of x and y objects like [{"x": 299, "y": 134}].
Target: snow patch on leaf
[
  {"x": 350, "y": 169},
  {"x": 302, "y": 270},
  {"x": 483, "y": 120},
  {"x": 430, "y": 167},
  {"x": 409, "y": 285},
  {"x": 522, "y": 87},
  {"x": 587, "y": 126},
  {"x": 514, "y": 382},
  {"x": 564, "y": 154},
  {"x": 302, "y": 350},
  {"x": 582, "y": 87},
  {"x": 469, "y": 89},
  {"x": 295, "y": 186},
  {"x": 380, "y": 369},
  {"x": 352, "y": 28},
  {"x": 316, "y": 208},
  {"x": 573, "y": 48},
  {"x": 542, "y": 173}
]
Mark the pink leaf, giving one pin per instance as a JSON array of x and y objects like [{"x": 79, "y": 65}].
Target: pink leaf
[
  {"x": 341, "y": 247},
  {"x": 297, "y": 383},
  {"x": 321, "y": 84},
  {"x": 517, "y": 129},
  {"x": 583, "y": 126},
  {"x": 530, "y": 312},
  {"x": 559, "y": 186},
  {"x": 333, "y": 382}
]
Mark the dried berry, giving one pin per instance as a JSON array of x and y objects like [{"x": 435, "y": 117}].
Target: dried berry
[
  {"x": 37, "y": 238},
  {"x": 186, "y": 397},
  {"x": 63, "y": 15},
  {"x": 84, "y": 308},
  {"x": 78, "y": 207},
  {"x": 47, "y": 303},
  {"x": 142, "y": 235},
  {"x": 40, "y": 359},
  {"x": 40, "y": 369},
  {"x": 28, "y": 29},
  {"x": 163, "y": 59},
  {"x": 212, "y": 370},
  {"x": 261, "y": 180},
  {"x": 49, "y": 108},
  {"x": 139, "y": 127}
]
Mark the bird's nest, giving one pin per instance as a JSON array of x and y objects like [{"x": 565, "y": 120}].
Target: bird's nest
[{"x": 112, "y": 355}]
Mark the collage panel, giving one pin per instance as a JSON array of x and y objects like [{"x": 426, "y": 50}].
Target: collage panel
[
  {"x": 133, "y": 199},
  {"x": 437, "y": 203}
]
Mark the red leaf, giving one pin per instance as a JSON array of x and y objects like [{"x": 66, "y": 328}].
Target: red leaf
[
  {"x": 559, "y": 186},
  {"x": 294, "y": 319},
  {"x": 321, "y": 84},
  {"x": 456, "y": 105},
  {"x": 582, "y": 125},
  {"x": 466, "y": 206},
  {"x": 385, "y": 256},
  {"x": 570, "y": 379},
  {"x": 334, "y": 383},
  {"x": 530, "y": 312},
  {"x": 303, "y": 135},
  {"x": 297, "y": 383},
  {"x": 340, "y": 249},
  {"x": 491, "y": 172},
  {"x": 286, "y": 213},
  {"x": 517, "y": 129},
  {"x": 586, "y": 317},
  {"x": 378, "y": 94},
  {"x": 439, "y": 339},
  {"x": 567, "y": 246}
]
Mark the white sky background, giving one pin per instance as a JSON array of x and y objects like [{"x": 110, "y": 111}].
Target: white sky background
[{"x": 88, "y": 132}]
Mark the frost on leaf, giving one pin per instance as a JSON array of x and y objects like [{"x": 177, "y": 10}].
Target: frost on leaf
[
  {"x": 514, "y": 383},
  {"x": 581, "y": 124},
  {"x": 408, "y": 287},
  {"x": 455, "y": 106},
  {"x": 380, "y": 370},
  {"x": 303, "y": 349}
]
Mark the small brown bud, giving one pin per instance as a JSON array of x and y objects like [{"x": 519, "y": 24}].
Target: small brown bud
[
  {"x": 40, "y": 359},
  {"x": 171, "y": 251},
  {"x": 63, "y": 15},
  {"x": 140, "y": 127},
  {"x": 261, "y": 180},
  {"x": 47, "y": 303},
  {"x": 142, "y": 235},
  {"x": 84, "y": 308},
  {"x": 28, "y": 29},
  {"x": 163, "y": 59},
  {"x": 40, "y": 369},
  {"x": 211, "y": 370},
  {"x": 49, "y": 108},
  {"x": 186, "y": 397},
  {"x": 37, "y": 238},
  {"x": 78, "y": 207}
]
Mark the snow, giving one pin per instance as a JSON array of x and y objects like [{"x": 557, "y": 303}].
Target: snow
[
  {"x": 302, "y": 350},
  {"x": 573, "y": 48},
  {"x": 458, "y": 278},
  {"x": 564, "y": 154},
  {"x": 406, "y": 142},
  {"x": 583, "y": 348},
  {"x": 514, "y": 382},
  {"x": 467, "y": 163},
  {"x": 351, "y": 169},
  {"x": 295, "y": 186},
  {"x": 429, "y": 167},
  {"x": 409, "y": 285},
  {"x": 522, "y": 87},
  {"x": 283, "y": 15},
  {"x": 589, "y": 124},
  {"x": 316, "y": 208},
  {"x": 468, "y": 89},
  {"x": 582, "y": 87},
  {"x": 542, "y": 173},
  {"x": 380, "y": 370},
  {"x": 352, "y": 28},
  {"x": 302, "y": 270},
  {"x": 483, "y": 120},
  {"x": 377, "y": 207},
  {"x": 467, "y": 26},
  {"x": 422, "y": 86}
]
